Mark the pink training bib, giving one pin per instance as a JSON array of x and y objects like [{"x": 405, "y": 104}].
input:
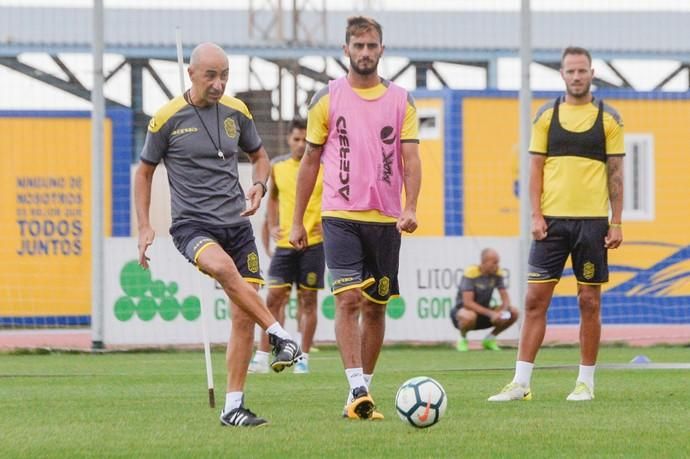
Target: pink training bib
[{"x": 362, "y": 154}]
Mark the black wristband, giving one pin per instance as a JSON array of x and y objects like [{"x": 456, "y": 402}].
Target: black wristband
[{"x": 263, "y": 186}]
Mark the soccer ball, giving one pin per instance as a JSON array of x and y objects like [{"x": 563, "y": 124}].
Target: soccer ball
[{"x": 421, "y": 401}]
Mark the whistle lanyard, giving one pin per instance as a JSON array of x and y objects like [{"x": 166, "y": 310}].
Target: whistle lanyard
[{"x": 188, "y": 98}]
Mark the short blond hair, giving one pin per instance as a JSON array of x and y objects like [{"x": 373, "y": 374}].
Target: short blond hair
[
  {"x": 357, "y": 25},
  {"x": 576, "y": 50}
]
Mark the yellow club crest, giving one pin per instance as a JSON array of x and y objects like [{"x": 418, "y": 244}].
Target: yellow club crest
[
  {"x": 230, "y": 127},
  {"x": 253, "y": 262},
  {"x": 311, "y": 278},
  {"x": 384, "y": 286}
]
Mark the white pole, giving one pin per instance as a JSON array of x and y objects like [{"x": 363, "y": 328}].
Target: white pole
[
  {"x": 180, "y": 58},
  {"x": 525, "y": 131},
  {"x": 197, "y": 280},
  {"x": 207, "y": 343},
  {"x": 97, "y": 117}
]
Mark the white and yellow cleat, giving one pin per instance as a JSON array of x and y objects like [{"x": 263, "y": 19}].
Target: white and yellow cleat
[
  {"x": 581, "y": 393},
  {"x": 362, "y": 405},
  {"x": 512, "y": 392},
  {"x": 375, "y": 415}
]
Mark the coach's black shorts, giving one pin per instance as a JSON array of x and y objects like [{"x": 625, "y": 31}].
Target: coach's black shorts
[
  {"x": 583, "y": 239},
  {"x": 481, "y": 323},
  {"x": 237, "y": 241},
  {"x": 362, "y": 255},
  {"x": 303, "y": 267}
]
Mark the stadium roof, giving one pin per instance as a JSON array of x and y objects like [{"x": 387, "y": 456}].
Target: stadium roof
[{"x": 423, "y": 36}]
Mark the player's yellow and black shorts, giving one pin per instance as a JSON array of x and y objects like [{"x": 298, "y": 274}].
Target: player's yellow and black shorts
[
  {"x": 303, "y": 267},
  {"x": 237, "y": 241},
  {"x": 583, "y": 239},
  {"x": 362, "y": 255}
]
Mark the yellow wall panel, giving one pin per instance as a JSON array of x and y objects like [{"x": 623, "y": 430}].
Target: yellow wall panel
[
  {"x": 490, "y": 166},
  {"x": 45, "y": 184},
  {"x": 430, "y": 213}
]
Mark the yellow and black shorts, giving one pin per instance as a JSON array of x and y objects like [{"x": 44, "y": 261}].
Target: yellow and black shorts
[
  {"x": 582, "y": 239},
  {"x": 303, "y": 267},
  {"x": 362, "y": 255},
  {"x": 237, "y": 241}
]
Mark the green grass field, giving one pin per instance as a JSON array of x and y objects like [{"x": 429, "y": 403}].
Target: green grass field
[{"x": 155, "y": 405}]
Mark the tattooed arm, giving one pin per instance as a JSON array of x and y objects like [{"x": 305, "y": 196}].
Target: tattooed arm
[{"x": 614, "y": 172}]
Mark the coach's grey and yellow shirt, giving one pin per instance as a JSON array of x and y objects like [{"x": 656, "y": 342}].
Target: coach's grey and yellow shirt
[
  {"x": 204, "y": 186},
  {"x": 482, "y": 285}
]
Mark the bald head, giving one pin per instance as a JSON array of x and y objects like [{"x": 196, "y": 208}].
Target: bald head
[
  {"x": 489, "y": 261},
  {"x": 206, "y": 51},
  {"x": 208, "y": 70}
]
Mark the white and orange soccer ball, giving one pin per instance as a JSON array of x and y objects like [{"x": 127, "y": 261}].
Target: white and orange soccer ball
[{"x": 421, "y": 401}]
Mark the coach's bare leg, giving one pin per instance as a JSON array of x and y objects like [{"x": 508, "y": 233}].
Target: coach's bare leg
[
  {"x": 239, "y": 350},
  {"x": 276, "y": 300},
  {"x": 307, "y": 316},
  {"x": 589, "y": 299},
  {"x": 502, "y": 324},
  {"x": 347, "y": 332},
  {"x": 373, "y": 331},
  {"x": 467, "y": 320},
  {"x": 537, "y": 302},
  {"x": 214, "y": 261}
]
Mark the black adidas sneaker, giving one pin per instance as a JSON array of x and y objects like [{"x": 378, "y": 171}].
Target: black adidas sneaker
[
  {"x": 241, "y": 417},
  {"x": 286, "y": 352}
]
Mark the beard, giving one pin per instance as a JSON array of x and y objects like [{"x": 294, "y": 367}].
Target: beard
[
  {"x": 579, "y": 92},
  {"x": 364, "y": 70}
]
